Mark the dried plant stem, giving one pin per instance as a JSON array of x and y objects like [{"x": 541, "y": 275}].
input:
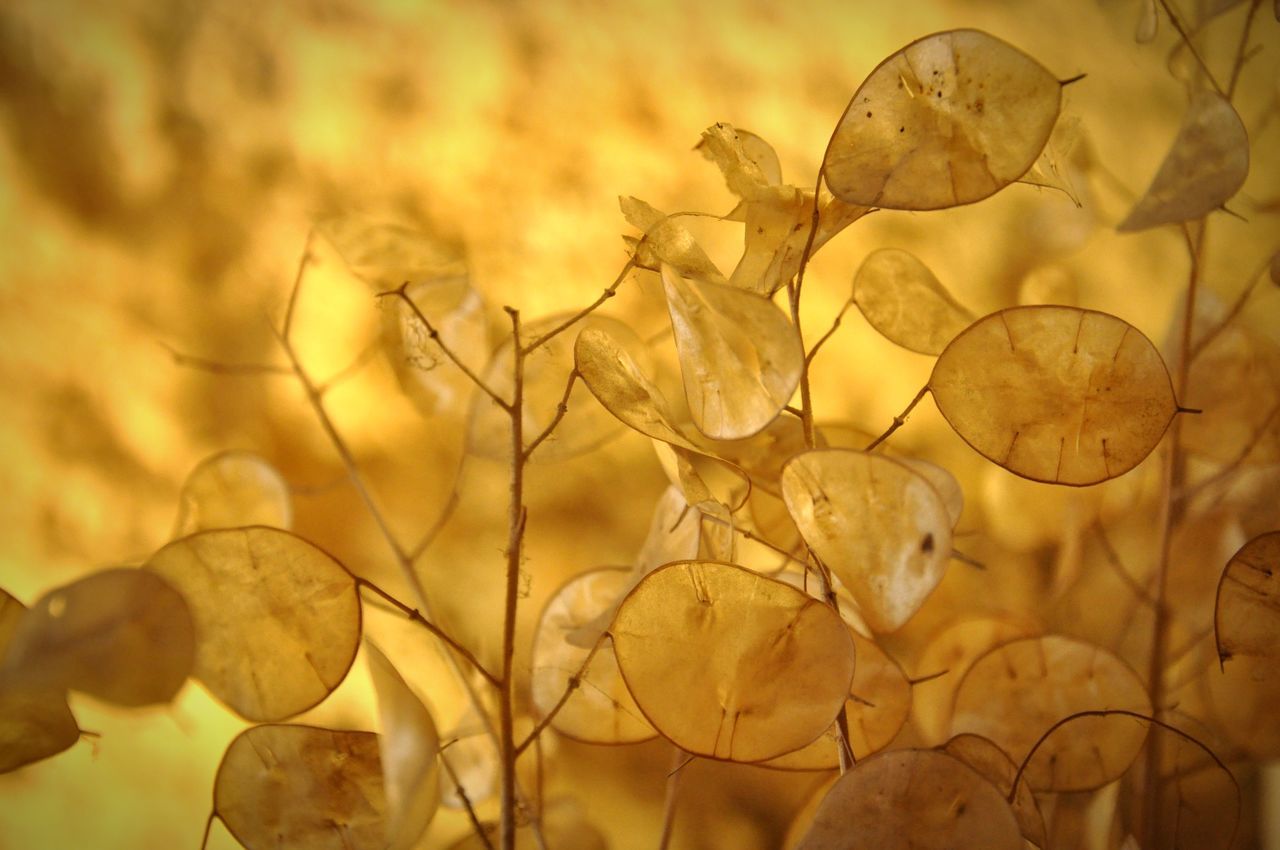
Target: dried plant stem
[
  {"x": 517, "y": 516},
  {"x": 835, "y": 326},
  {"x": 1176, "y": 21},
  {"x": 1170, "y": 512},
  {"x": 1255, "y": 278},
  {"x": 561, "y": 409},
  {"x": 466, "y": 801},
  {"x": 434, "y": 334},
  {"x": 446, "y": 512},
  {"x": 219, "y": 368},
  {"x": 575, "y": 682},
  {"x": 415, "y": 616},
  {"x": 899, "y": 420},
  {"x": 678, "y": 761},
  {"x": 303, "y": 262},
  {"x": 610, "y": 291},
  {"x": 1238, "y": 64}
]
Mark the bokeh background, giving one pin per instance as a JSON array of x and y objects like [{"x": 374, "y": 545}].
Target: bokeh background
[{"x": 163, "y": 161}]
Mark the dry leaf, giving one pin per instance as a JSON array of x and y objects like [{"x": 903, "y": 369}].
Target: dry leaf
[
  {"x": 617, "y": 382},
  {"x": 122, "y": 635},
  {"x": 950, "y": 119},
  {"x": 730, "y": 665},
  {"x": 408, "y": 745},
  {"x": 913, "y": 800},
  {"x": 1000, "y": 770},
  {"x": 667, "y": 241},
  {"x": 277, "y": 619},
  {"x": 740, "y": 357},
  {"x": 878, "y": 707},
  {"x": 35, "y": 723},
  {"x": 881, "y": 528},
  {"x": 951, "y": 652},
  {"x": 1207, "y": 164},
  {"x": 303, "y": 788},
  {"x": 600, "y": 710},
  {"x": 584, "y": 427},
  {"x": 903, "y": 300},
  {"x": 1016, "y": 692},
  {"x": 1055, "y": 394},
  {"x": 231, "y": 489},
  {"x": 1247, "y": 611}
]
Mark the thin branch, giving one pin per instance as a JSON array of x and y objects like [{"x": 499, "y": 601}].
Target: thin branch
[
  {"x": 517, "y": 516},
  {"x": 835, "y": 325},
  {"x": 303, "y": 262},
  {"x": 957, "y": 555},
  {"x": 920, "y": 680},
  {"x": 466, "y": 802},
  {"x": 1112, "y": 557},
  {"x": 361, "y": 360},
  {"x": 434, "y": 335},
  {"x": 219, "y": 368},
  {"x": 669, "y": 798},
  {"x": 415, "y": 616},
  {"x": 1189, "y": 493},
  {"x": 1238, "y": 64},
  {"x": 1186, "y": 39},
  {"x": 561, "y": 409},
  {"x": 1254, "y": 279},
  {"x": 899, "y": 420},
  {"x": 208, "y": 826},
  {"x": 608, "y": 293},
  {"x": 575, "y": 682},
  {"x": 446, "y": 512}
]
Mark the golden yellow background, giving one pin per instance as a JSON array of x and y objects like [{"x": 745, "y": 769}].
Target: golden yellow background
[{"x": 161, "y": 164}]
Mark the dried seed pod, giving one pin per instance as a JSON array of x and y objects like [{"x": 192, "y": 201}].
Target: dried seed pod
[
  {"x": 1247, "y": 611},
  {"x": 1055, "y": 394},
  {"x": 1017, "y": 691},
  {"x": 304, "y": 788},
  {"x": 949, "y": 119},
  {"x": 731, "y": 665},
  {"x": 1000, "y": 770},
  {"x": 901, "y": 298},
  {"x": 277, "y": 620},
  {"x": 233, "y": 489},
  {"x": 35, "y": 723},
  {"x": 913, "y": 800}
]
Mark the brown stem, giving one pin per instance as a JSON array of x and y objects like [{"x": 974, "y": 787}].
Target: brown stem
[
  {"x": 208, "y": 826},
  {"x": 434, "y": 334},
  {"x": 446, "y": 512},
  {"x": 1238, "y": 64},
  {"x": 481, "y": 832},
  {"x": 1254, "y": 279},
  {"x": 1174, "y": 473},
  {"x": 608, "y": 293},
  {"x": 517, "y": 515},
  {"x": 899, "y": 420},
  {"x": 219, "y": 368},
  {"x": 669, "y": 798},
  {"x": 561, "y": 409},
  {"x": 415, "y": 616},
  {"x": 1186, "y": 38},
  {"x": 835, "y": 326},
  {"x": 575, "y": 682},
  {"x": 303, "y": 262}
]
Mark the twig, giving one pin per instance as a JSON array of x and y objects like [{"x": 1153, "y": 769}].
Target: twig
[
  {"x": 434, "y": 335},
  {"x": 835, "y": 326},
  {"x": 517, "y": 516},
  {"x": 303, "y": 262},
  {"x": 1238, "y": 64},
  {"x": 754, "y": 538},
  {"x": 575, "y": 681},
  {"x": 669, "y": 798},
  {"x": 1189, "y": 493},
  {"x": 446, "y": 512},
  {"x": 1177, "y": 25},
  {"x": 957, "y": 555},
  {"x": 608, "y": 293},
  {"x": 218, "y": 368},
  {"x": 1112, "y": 557},
  {"x": 1213, "y": 333},
  {"x": 466, "y": 802},
  {"x": 361, "y": 360},
  {"x": 208, "y": 826},
  {"x": 898, "y": 421},
  {"x": 415, "y": 616},
  {"x": 561, "y": 409}
]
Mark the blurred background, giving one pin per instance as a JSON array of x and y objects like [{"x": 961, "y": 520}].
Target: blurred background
[{"x": 162, "y": 163}]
